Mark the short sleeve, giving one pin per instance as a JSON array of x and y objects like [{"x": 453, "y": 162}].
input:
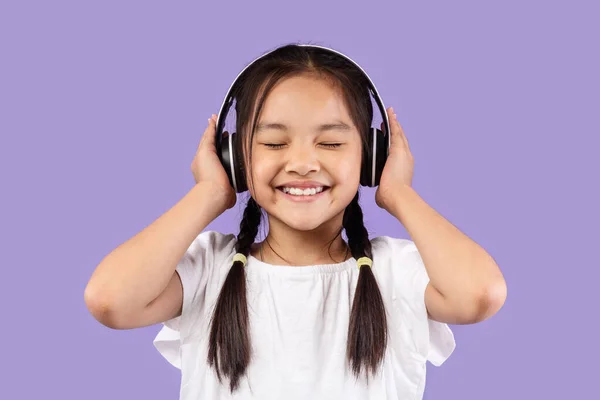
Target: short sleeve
[
  {"x": 199, "y": 265},
  {"x": 403, "y": 278},
  {"x": 435, "y": 340}
]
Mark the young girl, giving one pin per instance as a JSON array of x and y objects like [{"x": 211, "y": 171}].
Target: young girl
[{"x": 303, "y": 314}]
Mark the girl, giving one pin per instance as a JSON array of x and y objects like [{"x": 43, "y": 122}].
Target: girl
[{"x": 303, "y": 314}]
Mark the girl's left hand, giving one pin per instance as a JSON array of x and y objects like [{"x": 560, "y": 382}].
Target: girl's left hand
[{"x": 399, "y": 166}]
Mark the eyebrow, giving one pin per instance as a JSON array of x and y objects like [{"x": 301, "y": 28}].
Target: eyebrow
[{"x": 337, "y": 126}]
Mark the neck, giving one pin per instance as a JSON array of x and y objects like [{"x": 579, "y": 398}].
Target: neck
[{"x": 287, "y": 246}]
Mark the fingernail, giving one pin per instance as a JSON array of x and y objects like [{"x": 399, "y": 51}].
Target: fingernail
[{"x": 392, "y": 109}]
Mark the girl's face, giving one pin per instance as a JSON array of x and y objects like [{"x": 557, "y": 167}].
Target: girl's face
[{"x": 306, "y": 154}]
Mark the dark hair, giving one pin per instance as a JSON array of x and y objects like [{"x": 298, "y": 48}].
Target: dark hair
[{"x": 229, "y": 342}]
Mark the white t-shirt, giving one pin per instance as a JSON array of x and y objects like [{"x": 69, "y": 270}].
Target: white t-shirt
[{"x": 299, "y": 325}]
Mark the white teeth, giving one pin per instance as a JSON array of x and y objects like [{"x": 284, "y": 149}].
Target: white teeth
[{"x": 303, "y": 192}]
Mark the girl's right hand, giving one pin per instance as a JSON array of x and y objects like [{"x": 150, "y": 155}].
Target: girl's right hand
[{"x": 207, "y": 167}]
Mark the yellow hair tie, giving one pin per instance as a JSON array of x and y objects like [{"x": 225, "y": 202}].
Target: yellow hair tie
[
  {"x": 240, "y": 257},
  {"x": 364, "y": 261}
]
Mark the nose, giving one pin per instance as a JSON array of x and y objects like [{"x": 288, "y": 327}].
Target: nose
[{"x": 302, "y": 160}]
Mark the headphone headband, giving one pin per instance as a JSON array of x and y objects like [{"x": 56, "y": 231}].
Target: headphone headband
[{"x": 228, "y": 101}]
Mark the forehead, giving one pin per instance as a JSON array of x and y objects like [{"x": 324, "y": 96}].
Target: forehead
[{"x": 305, "y": 99}]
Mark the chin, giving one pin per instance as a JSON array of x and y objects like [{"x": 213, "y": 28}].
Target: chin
[
  {"x": 303, "y": 224},
  {"x": 303, "y": 221},
  {"x": 305, "y": 216}
]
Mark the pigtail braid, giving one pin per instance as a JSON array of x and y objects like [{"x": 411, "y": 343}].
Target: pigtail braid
[
  {"x": 367, "y": 331},
  {"x": 229, "y": 347}
]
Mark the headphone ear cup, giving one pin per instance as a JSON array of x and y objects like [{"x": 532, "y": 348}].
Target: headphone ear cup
[
  {"x": 238, "y": 168},
  {"x": 367, "y": 161},
  {"x": 232, "y": 163},
  {"x": 224, "y": 156},
  {"x": 379, "y": 152}
]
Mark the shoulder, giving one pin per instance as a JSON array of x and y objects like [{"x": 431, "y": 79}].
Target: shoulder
[
  {"x": 394, "y": 259},
  {"x": 212, "y": 242},
  {"x": 398, "y": 266},
  {"x": 207, "y": 249},
  {"x": 203, "y": 266},
  {"x": 205, "y": 259},
  {"x": 396, "y": 256},
  {"x": 386, "y": 246}
]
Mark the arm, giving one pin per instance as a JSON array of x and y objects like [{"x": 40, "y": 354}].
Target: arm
[
  {"x": 466, "y": 286},
  {"x": 136, "y": 284}
]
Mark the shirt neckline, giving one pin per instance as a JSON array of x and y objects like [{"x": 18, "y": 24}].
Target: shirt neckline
[{"x": 256, "y": 264}]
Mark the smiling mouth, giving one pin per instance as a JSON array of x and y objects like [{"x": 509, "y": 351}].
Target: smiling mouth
[{"x": 302, "y": 191}]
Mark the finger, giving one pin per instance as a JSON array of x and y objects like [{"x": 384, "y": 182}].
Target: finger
[
  {"x": 208, "y": 137},
  {"x": 401, "y": 133},
  {"x": 209, "y": 133},
  {"x": 402, "y": 136},
  {"x": 394, "y": 126},
  {"x": 385, "y": 128},
  {"x": 397, "y": 130},
  {"x": 394, "y": 120}
]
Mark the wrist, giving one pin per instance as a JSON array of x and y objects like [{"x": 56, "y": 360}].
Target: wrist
[
  {"x": 397, "y": 200},
  {"x": 214, "y": 198}
]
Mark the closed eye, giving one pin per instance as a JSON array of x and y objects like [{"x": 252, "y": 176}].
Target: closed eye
[
  {"x": 273, "y": 145},
  {"x": 331, "y": 145},
  {"x": 279, "y": 146}
]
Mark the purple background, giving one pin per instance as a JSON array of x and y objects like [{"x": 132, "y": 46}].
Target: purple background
[{"x": 102, "y": 106}]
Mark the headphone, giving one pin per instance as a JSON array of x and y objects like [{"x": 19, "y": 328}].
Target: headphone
[{"x": 374, "y": 156}]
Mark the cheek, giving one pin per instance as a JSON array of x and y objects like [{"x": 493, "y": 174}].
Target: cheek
[
  {"x": 347, "y": 168},
  {"x": 263, "y": 170}
]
